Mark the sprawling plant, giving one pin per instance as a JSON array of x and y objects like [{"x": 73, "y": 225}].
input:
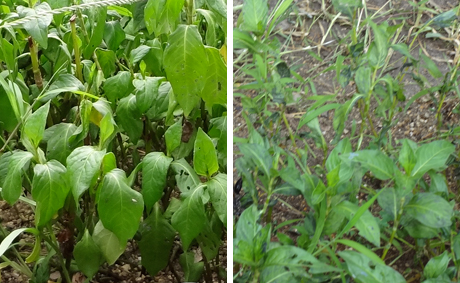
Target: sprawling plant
[
  {"x": 113, "y": 128},
  {"x": 349, "y": 227}
]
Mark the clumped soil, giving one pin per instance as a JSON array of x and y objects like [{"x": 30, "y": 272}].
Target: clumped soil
[
  {"x": 127, "y": 269},
  {"x": 417, "y": 124}
]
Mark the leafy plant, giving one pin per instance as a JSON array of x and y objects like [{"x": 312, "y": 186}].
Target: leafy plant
[
  {"x": 370, "y": 199},
  {"x": 113, "y": 123}
]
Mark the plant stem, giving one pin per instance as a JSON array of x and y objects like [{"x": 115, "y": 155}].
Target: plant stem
[
  {"x": 189, "y": 5},
  {"x": 395, "y": 228},
  {"x": 35, "y": 65},
  {"x": 52, "y": 242}
]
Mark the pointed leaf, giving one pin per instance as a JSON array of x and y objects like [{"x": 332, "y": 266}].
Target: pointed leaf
[
  {"x": 57, "y": 138},
  {"x": 432, "y": 156},
  {"x": 430, "y": 209},
  {"x": 34, "y": 127},
  {"x": 217, "y": 188},
  {"x": 108, "y": 243},
  {"x": 215, "y": 89},
  {"x": 12, "y": 186},
  {"x": 204, "y": 155},
  {"x": 155, "y": 167},
  {"x": 87, "y": 255}
]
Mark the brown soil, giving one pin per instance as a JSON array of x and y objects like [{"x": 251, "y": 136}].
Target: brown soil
[
  {"x": 127, "y": 269},
  {"x": 417, "y": 124}
]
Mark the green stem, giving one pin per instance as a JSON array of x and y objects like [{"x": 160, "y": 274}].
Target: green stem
[
  {"x": 52, "y": 242},
  {"x": 35, "y": 65},
  {"x": 189, "y": 5},
  {"x": 395, "y": 228}
]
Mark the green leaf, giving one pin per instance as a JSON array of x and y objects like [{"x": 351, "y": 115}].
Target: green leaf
[
  {"x": 8, "y": 240},
  {"x": 363, "y": 79},
  {"x": 162, "y": 16},
  {"x": 362, "y": 249},
  {"x": 119, "y": 207},
  {"x": 419, "y": 231},
  {"x": 155, "y": 167},
  {"x": 204, "y": 155},
  {"x": 82, "y": 165},
  {"x": 215, "y": 89},
  {"x": 129, "y": 117},
  {"x": 255, "y": 16},
  {"x": 7, "y": 115},
  {"x": 432, "y": 156},
  {"x": 333, "y": 160},
  {"x": 157, "y": 241},
  {"x": 173, "y": 136},
  {"x": 258, "y": 155},
  {"x": 34, "y": 126},
  {"x": 12, "y": 186},
  {"x": 49, "y": 190},
  {"x": 107, "y": 133},
  {"x": 437, "y": 265},
  {"x": 64, "y": 83},
  {"x": 403, "y": 49},
  {"x": 366, "y": 224},
  {"x": 82, "y": 131},
  {"x": 438, "y": 183},
  {"x": 107, "y": 60},
  {"x": 57, "y": 138},
  {"x": 108, "y": 243},
  {"x": 407, "y": 155},
  {"x": 87, "y": 255},
  {"x": 186, "y": 177},
  {"x": 138, "y": 53},
  {"x": 147, "y": 92},
  {"x": 160, "y": 102},
  {"x": 310, "y": 115},
  {"x": 341, "y": 116},
  {"x": 431, "y": 66},
  {"x": 378, "y": 52},
  {"x": 346, "y": 7},
  {"x": 192, "y": 269},
  {"x": 118, "y": 86},
  {"x": 430, "y": 209},
  {"x": 96, "y": 35},
  {"x": 445, "y": 19},
  {"x": 186, "y": 65},
  {"x": 211, "y": 27},
  {"x": 113, "y": 35},
  {"x": 188, "y": 220},
  {"x": 217, "y": 188},
  {"x": 218, "y": 7},
  {"x": 390, "y": 201},
  {"x": 376, "y": 161},
  {"x": 358, "y": 266},
  {"x": 37, "y": 27}
]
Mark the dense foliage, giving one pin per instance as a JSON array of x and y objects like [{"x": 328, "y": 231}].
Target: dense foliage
[
  {"x": 113, "y": 128},
  {"x": 370, "y": 193}
]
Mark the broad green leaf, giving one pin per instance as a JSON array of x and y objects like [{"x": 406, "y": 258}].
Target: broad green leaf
[
  {"x": 310, "y": 115},
  {"x": 211, "y": 26},
  {"x": 162, "y": 16},
  {"x": 437, "y": 265},
  {"x": 455, "y": 247},
  {"x": 82, "y": 131},
  {"x": 366, "y": 224},
  {"x": 129, "y": 117},
  {"x": 341, "y": 116},
  {"x": 363, "y": 79},
  {"x": 378, "y": 52},
  {"x": 147, "y": 92},
  {"x": 37, "y": 27},
  {"x": 186, "y": 65},
  {"x": 113, "y": 35},
  {"x": 346, "y": 7},
  {"x": 138, "y": 53},
  {"x": 64, "y": 83},
  {"x": 255, "y": 16},
  {"x": 215, "y": 89},
  {"x": 186, "y": 177},
  {"x": 119, "y": 207},
  {"x": 403, "y": 49},
  {"x": 438, "y": 183},
  {"x": 188, "y": 220},
  {"x": 218, "y": 7},
  {"x": 217, "y": 188},
  {"x": 362, "y": 249},
  {"x": 333, "y": 160},
  {"x": 173, "y": 136},
  {"x": 107, "y": 60},
  {"x": 154, "y": 59},
  {"x": 160, "y": 102},
  {"x": 219, "y": 131},
  {"x": 419, "y": 231},
  {"x": 432, "y": 156},
  {"x": 82, "y": 165},
  {"x": 155, "y": 167},
  {"x": 4, "y": 163},
  {"x": 96, "y": 35},
  {"x": 12, "y": 186},
  {"x": 258, "y": 156},
  {"x": 49, "y": 190},
  {"x": 87, "y": 255},
  {"x": 157, "y": 241},
  {"x": 108, "y": 243},
  {"x": 204, "y": 155},
  {"x": 444, "y": 19},
  {"x": 431, "y": 66},
  {"x": 7, "y": 115},
  {"x": 318, "y": 193},
  {"x": 390, "y": 201},
  {"x": 57, "y": 138},
  {"x": 34, "y": 126},
  {"x": 118, "y": 86},
  {"x": 407, "y": 155},
  {"x": 430, "y": 209},
  {"x": 376, "y": 161},
  {"x": 107, "y": 133},
  {"x": 14, "y": 96},
  {"x": 192, "y": 269},
  {"x": 359, "y": 268},
  {"x": 9, "y": 54}
]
